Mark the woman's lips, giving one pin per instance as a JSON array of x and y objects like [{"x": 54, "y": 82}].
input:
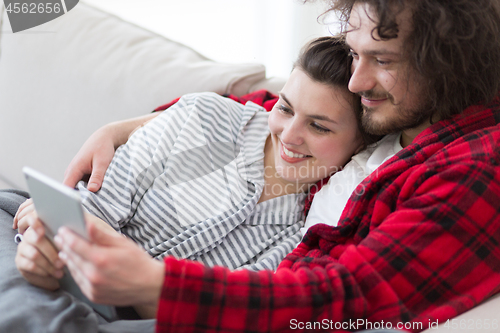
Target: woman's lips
[{"x": 291, "y": 156}]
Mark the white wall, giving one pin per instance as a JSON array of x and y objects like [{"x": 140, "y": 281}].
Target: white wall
[{"x": 265, "y": 31}]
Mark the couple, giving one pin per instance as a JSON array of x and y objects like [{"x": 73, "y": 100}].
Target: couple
[
  {"x": 419, "y": 244},
  {"x": 223, "y": 183}
]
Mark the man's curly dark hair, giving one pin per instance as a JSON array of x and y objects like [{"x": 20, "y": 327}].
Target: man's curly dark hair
[{"x": 454, "y": 45}]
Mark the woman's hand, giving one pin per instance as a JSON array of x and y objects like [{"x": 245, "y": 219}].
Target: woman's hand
[
  {"x": 36, "y": 258},
  {"x": 20, "y": 221},
  {"x": 110, "y": 268},
  {"x": 97, "y": 152}
]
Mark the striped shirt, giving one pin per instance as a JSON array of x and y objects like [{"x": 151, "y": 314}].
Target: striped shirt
[{"x": 187, "y": 184}]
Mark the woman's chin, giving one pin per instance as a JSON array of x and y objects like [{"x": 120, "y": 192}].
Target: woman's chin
[{"x": 297, "y": 180}]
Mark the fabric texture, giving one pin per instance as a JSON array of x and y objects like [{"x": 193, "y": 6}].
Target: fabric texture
[
  {"x": 420, "y": 245},
  {"x": 187, "y": 184}
]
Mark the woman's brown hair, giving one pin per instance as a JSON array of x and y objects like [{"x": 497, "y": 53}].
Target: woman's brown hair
[{"x": 326, "y": 60}]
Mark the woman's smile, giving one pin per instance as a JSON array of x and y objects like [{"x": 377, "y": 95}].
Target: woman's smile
[
  {"x": 314, "y": 130},
  {"x": 291, "y": 156}
]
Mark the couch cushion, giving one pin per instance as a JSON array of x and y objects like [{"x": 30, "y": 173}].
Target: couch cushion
[
  {"x": 64, "y": 79},
  {"x": 483, "y": 318}
]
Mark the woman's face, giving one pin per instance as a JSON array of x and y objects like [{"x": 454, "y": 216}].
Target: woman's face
[{"x": 314, "y": 131}]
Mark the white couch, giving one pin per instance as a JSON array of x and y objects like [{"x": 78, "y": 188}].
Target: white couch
[{"x": 61, "y": 81}]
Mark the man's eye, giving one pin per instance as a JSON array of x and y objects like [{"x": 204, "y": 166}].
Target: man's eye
[
  {"x": 353, "y": 54},
  {"x": 383, "y": 62}
]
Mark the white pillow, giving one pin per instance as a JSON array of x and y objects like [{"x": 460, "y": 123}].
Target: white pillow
[{"x": 64, "y": 79}]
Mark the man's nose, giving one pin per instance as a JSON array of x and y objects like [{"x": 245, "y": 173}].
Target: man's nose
[{"x": 362, "y": 78}]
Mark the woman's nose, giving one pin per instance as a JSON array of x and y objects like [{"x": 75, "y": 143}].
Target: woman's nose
[{"x": 292, "y": 133}]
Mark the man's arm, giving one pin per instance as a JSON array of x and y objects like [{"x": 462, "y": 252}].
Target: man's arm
[
  {"x": 97, "y": 152},
  {"x": 422, "y": 263},
  {"x": 420, "y": 245}
]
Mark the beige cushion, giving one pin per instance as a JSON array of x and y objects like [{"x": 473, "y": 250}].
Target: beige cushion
[
  {"x": 484, "y": 318},
  {"x": 64, "y": 79}
]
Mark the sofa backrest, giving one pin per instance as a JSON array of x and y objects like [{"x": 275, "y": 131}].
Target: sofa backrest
[{"x": 62, "y": 80}]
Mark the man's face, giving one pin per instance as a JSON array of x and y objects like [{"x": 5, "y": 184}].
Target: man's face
[{"x": 391, "y": 93}]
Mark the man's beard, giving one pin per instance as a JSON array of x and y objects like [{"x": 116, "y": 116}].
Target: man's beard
[{"x": 402, "y": 119}]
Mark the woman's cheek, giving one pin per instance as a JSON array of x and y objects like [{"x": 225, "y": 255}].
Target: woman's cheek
[{"x": 274, "y": 122}]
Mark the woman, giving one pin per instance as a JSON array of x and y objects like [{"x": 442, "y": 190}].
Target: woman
[{"x": 249, "y": 205}]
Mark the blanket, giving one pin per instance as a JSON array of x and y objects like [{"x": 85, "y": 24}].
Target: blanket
[{"x": 26, "y": 308}]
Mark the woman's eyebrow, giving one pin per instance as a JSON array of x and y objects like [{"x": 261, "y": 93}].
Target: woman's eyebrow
[
  {"x": 314, "y": 116},
  {"x": 282, "y": 96},
  {"x": 324, "y": 118}
]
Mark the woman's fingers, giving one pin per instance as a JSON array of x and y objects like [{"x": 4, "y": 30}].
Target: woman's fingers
[
  {"x": 37, "y": 259},
  {"x": 48, "y": 283},
  {"x": 24, "y": 221},
  {"x": 29, "y": 260},
  {"x": 24, "y": 209},
  {"x": 36, "y": 255}
]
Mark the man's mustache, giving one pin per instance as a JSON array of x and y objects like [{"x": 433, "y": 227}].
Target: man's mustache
[{"x": 370, "y": 94}]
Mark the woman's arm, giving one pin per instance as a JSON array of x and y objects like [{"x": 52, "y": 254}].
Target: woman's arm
[{"x": 97, "y": 152}]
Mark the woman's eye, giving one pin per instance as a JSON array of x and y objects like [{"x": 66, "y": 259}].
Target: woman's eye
[
  {"x": 319, "y": 128},
  {"x": 284, "y": 109}
]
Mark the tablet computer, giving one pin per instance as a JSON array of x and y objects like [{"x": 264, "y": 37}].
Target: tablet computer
[{"x": 58, "y": 205}]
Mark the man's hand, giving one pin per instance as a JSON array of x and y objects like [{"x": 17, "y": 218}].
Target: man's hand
[
  {"x": 111, "y": 269},
  {"x": 97, "y": 152},
  {"x": 92, "y": 159}
]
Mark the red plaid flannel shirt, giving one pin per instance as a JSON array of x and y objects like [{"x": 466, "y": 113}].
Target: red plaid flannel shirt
[{"x": 421, "y": 244}]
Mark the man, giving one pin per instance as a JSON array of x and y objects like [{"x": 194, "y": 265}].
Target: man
[{"x": 418, "y": 245}]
